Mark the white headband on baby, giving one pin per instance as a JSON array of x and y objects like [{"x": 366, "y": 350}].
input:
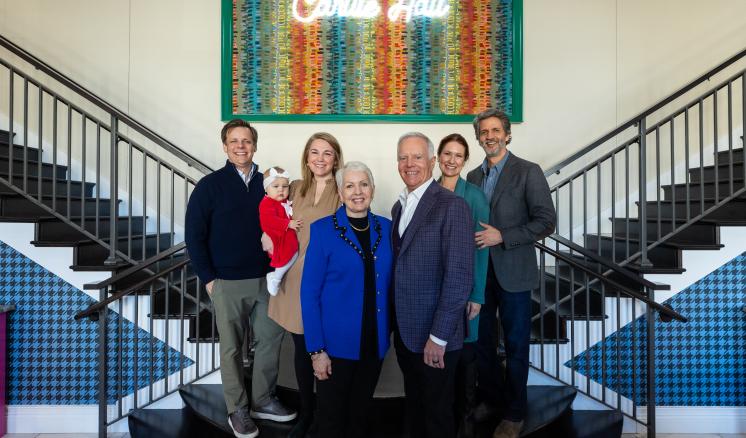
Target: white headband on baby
[{"x": 273, "y": 175}]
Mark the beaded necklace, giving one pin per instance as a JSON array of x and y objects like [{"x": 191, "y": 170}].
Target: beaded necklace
[{"x": 343, "y": 230}]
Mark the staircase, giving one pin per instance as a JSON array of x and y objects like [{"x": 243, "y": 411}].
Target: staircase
[{"x": 92, "y": 178}]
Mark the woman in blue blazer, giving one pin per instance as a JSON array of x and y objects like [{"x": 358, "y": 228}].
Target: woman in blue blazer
[{"x": 345, "y": 304}]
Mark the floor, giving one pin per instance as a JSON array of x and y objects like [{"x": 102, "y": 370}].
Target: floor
[{"x": 126, "y": 435}]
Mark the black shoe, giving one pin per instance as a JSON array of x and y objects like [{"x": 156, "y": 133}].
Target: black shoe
[
  {"x": 241, "y": 424},
  {"x": 273, "y": 410},
  {"x": 301, "y": 427}
]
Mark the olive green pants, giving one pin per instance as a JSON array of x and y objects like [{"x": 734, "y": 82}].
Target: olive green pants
[{"x": 237, "y": 302}]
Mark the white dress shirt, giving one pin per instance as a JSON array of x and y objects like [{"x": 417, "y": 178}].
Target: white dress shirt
[{"x": 409, "y": 201}]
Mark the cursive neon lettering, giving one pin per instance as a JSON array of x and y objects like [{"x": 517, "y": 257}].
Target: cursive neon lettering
[{"x": 340, "y": 8}]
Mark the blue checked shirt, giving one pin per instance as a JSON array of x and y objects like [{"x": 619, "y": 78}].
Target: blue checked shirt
[{"x": 492, "y": 175}]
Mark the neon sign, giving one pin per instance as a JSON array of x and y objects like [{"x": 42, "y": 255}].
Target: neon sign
[{"x": 314, "y": 9}]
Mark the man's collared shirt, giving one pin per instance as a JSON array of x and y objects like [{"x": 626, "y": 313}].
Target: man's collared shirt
[
  {"x": 492, "y": 175},
  {"x": 409, "y": 201},
  {"x": 247, "y": 178}
]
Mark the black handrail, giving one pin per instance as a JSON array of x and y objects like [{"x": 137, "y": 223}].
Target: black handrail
[
  {"x": 663, "y": 310},
  {"x": 633, "y": 121},
  {"x": 136, "y": 268},
  {"x": 104, "y": 105},
  {"x": 98, "y": 306},
  {"x": 626, "y": 273}
]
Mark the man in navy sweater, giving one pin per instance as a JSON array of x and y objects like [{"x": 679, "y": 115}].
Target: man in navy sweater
[{"x": 224, "y": 242}]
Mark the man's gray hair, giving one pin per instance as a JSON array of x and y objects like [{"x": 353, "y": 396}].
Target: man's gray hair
[
  {"x": 354, "y": 166},
  {"x": 430, "y": 146},
  {"x": 492, "y": 112}
]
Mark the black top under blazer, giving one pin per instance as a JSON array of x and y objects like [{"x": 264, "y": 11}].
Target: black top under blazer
[{"x": 522, "y": 209}]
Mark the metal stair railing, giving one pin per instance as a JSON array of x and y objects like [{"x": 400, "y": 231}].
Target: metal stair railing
[
  {"x": 93, "y": 152},
  {"x": 655, "y": 175},
  {"x": 593, "y": 281},
  {"x": 182, "y": 296}
]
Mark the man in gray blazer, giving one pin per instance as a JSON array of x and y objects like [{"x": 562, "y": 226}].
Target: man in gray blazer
[
  {"x": 433, "y": 240},
  {"x": 521, "y": 212}
]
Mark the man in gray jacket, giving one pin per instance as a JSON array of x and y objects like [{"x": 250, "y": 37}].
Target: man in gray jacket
[{"x": 521, "y": 212}]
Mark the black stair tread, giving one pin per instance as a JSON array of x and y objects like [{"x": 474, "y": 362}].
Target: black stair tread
[
  {"x": 677, "y": 244},
  {"x": 206, "y": 402},
  {"x": 654, "y": 270},
  {"x": 169, "y": 423},
  {"x": 60, "y": 197},
  {"x": 101, "y": 267},
  {"x": 589, "y": 424},
  {"x": 83, "y": 242},
  {"x": 724, "y": 222},
  {"x": 546, "y": 404}
]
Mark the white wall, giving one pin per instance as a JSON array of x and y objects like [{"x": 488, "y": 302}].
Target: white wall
[{"x": 589, "y": 64}]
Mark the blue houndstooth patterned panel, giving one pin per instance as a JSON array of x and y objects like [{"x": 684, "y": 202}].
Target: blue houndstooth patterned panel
[
  {"x": 51, "y": 357},
  {"x": 698, "y": 363}
]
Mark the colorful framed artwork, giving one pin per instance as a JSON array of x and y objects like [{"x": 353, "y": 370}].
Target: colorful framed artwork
[{"x": 371, "y": 60}]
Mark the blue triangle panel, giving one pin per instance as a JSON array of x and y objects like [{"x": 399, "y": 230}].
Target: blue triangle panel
[
  {"x": 698, "y": 363},
  {"x": 52, "y": 357}
]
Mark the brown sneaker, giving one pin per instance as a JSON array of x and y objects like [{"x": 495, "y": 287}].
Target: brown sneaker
[
  {"x": 508, "y": 429},
  {"x": 242, "y": 424}
]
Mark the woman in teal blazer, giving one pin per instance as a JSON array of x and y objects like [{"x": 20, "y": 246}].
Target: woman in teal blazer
[{"x": 453, "y": 151}]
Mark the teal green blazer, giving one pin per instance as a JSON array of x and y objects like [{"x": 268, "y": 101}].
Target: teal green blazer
[{"x": 480, "y": 212}]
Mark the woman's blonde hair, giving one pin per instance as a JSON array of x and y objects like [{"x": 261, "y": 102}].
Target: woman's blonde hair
[{"x": 306, "y": 174}]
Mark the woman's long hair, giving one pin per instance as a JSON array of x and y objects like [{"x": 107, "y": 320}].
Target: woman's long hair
[{"x": 306, "y": 174}]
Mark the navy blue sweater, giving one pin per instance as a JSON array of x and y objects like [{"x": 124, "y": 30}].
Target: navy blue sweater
[{"x": 222, "y": 227}]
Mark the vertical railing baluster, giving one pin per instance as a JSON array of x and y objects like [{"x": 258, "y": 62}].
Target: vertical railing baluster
[
  {"x": 83, "y": 168},
  {"x": 558, "y": 268},
  {"x": 173, "y": 214},
  {"x": 650, "y": 315},
  {"x": 542, "y": 302},
  {"x": 673, "y": 176},
  {"x": 642, "y": 182},
  {"x": 598, "y": 208},
  {"x": 11, "y": 129},
  {"x": 181, "y": 325},
  {"x": 40, "y": 145},
  {"x": 658, "y": 179},
  {"x": 129, "y": 199},
  {"x": 69, "y": 159},
  {"x": 25, "y": 137},
  {"x": 626, "y": 203},
  {"x": 730, "y": 138},
  {"x": 618, "y": 337},
  {"x": 603, "y": 343},
  {"x": 151, "y": 342},
  {"x": 144, "y": 202},
  {"x": 588, "y": 333},
  {"x": 98, "y": 180},
  {"x": 135, "y": 349},
  {"x": 613, "y": 207},
  {"x": 702, "y": 157},
  {"x": 113, "y": 191},
  {"x": 166, "y": 347},
  {"x": 633, "y": 325},
  {"x": 197, "y": 315},
  {"x": 743, "y": 126},
  {"x": 157, "y": 205},
  {"x": 686, "y": 164},
  {"x": 715, "y": 144},
  {"x": 54, "y": 154},
  {"x": 120, "y": 361},
  {"x": 102, "y": 378}
]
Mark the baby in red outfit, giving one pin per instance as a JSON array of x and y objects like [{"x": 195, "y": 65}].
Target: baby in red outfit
[{"x": 276, "y": 220}]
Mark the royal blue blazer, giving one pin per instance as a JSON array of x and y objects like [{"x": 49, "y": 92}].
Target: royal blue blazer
[{"x": 331, "y": 292}]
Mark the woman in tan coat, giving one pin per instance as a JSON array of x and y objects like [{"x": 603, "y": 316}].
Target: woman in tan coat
[{"x": 314, "y": 196}]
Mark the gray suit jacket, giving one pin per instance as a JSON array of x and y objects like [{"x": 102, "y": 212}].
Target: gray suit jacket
[
  {"x": 522, "y": 209},
  {"x": 433, "y": 272}
]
